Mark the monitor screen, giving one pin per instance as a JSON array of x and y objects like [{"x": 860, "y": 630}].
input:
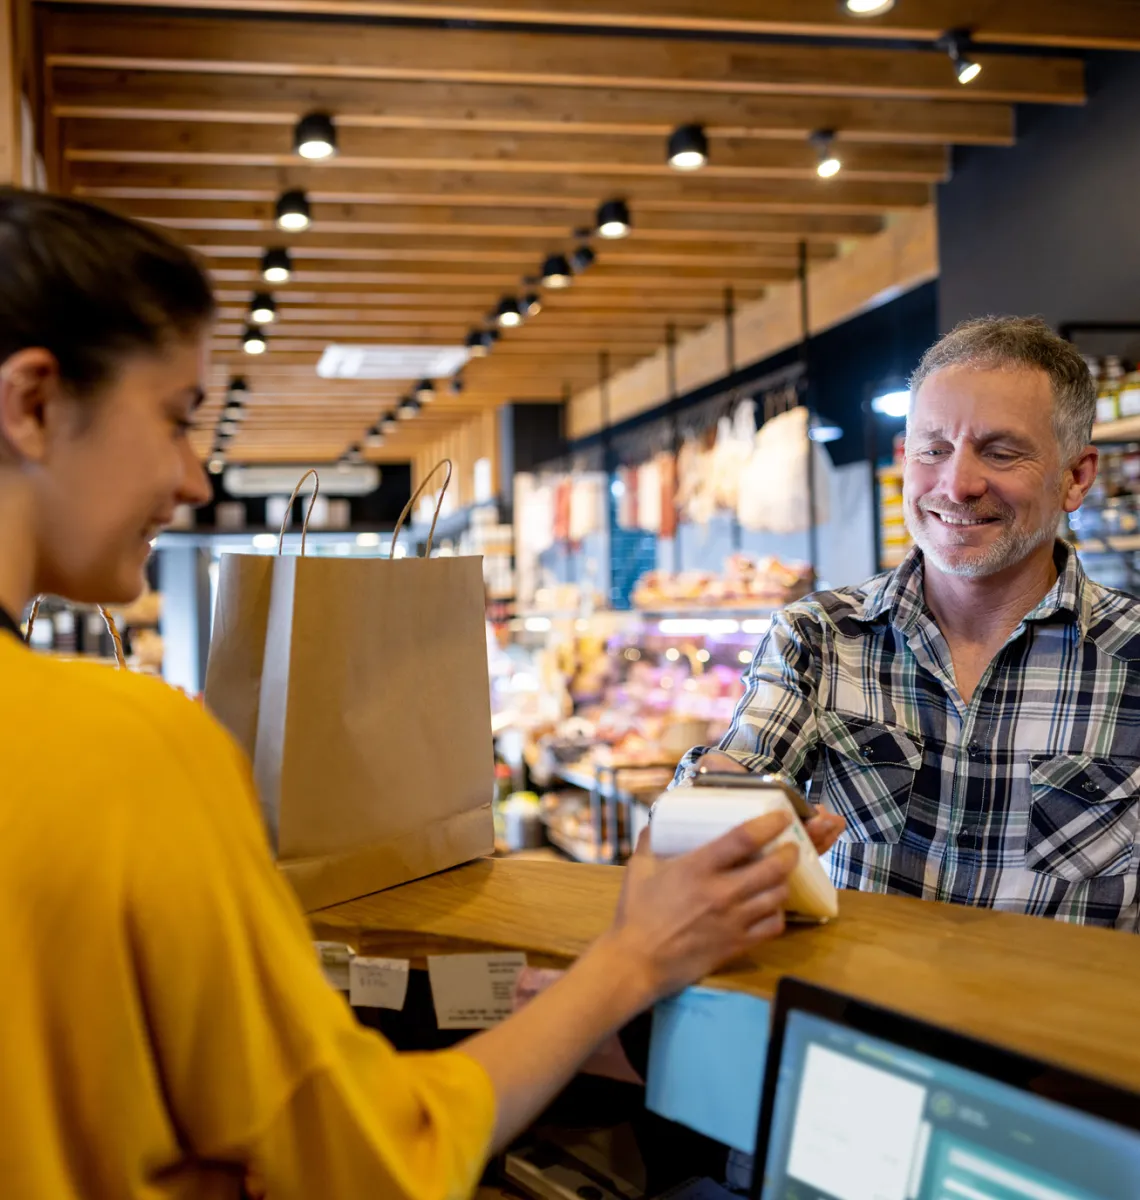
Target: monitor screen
[{"x": 856, "y": 1117}]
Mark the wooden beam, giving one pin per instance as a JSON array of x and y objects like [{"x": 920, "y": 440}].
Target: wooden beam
[
  {"x": 543, "y": 224},
  {"x": 304, "y": 49},
  {"x": 367, "y": 104},
  {"x": 1100, "y": 24},
  {"x": 435, "y": 298},
  {"x": 600, "y": 278},
  {"x": 325, "y": 247},
  {"x": 332, "y": 185},
  {"x": 11, "y": 138},
  {"x": 193, "y": 144}
]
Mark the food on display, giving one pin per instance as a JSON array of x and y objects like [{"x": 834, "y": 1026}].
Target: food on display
[{"x": 745, "y": 582}]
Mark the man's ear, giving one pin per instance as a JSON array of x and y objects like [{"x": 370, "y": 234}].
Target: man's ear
[
  {"x": 1082, "y": 473},
  {"x": 28, "y": 379}
]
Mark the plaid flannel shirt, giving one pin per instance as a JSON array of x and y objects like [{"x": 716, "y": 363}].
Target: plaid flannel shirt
[{"x": 1024, "y": 800}]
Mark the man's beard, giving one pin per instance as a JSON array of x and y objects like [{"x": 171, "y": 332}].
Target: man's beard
[{"x": 1011, "y": 546}]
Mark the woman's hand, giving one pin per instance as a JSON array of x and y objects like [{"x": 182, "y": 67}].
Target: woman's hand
[{"x": 680, "y": 918}]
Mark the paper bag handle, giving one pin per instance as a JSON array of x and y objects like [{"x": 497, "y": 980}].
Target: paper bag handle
[
  {"x": 308, "y": 511},
  {"x": 445, "y": 462},
  {"x": 120, "y": 657}
]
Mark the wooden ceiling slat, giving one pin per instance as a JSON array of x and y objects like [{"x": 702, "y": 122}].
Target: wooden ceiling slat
[
  {"x": 1103, "y": 24},
  {"x": 196, "y": 144},
  {"x": 503, "y": 251},
  {"x": 331, "y": 185},
  {"x": 600, "y": 278},
  {"x": 708, "y": 300},
  {"x": 300, "y": 48},
  {"x": 367, "y": 104},
  {"x": 545, "y": 224},
  {"x": 381, "y": 318}
]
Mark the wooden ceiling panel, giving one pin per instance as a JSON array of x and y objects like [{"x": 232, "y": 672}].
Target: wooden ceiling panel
[
  {"x": 362, "y": 51},
  {"x": 211, "y": 145},
  {"x": 491, "y": 108},
  {"x": 468, "y": 153},
  {"x": 1101, "y": 24}
]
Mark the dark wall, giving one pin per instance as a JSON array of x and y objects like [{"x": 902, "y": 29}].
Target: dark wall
[{"x": 1052, "y": 225}]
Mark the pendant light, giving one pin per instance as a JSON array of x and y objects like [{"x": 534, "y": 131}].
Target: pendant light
[
  {"x": 228, "y": 429},
  {"x": 688, "y": 148},
  {"x": 532, "y": 304},
  {"x": 509, "y": 313},
  {"x": 293, "y": 212},
  {"x": 216, "y": 464},
  {"x": 387, "y": 423},
  {"x": 829, "y": 163},
  {"x": 866, "y": 8},
  {"x": 613, "y": 219},
  {"x": 234, "y": 408},
  {"x": 253, "y": 341},
  {"x": 315, "y": 136},
  {"x": 556, "y": 272},
  {"x": 425, "y": 391},
  {"x": 407, "y": 408},
  {"x": 276, "y": 265},
  {"x": 374, "y": 439},
  {"x": 262, "y": 309},
  {"x": 582, "y": 259},
  {"x": 456, "y": 385},
  {"x": 957, "y": 44}
]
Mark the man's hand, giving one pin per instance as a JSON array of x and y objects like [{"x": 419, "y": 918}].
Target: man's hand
[{"x": 823, "y": 829}]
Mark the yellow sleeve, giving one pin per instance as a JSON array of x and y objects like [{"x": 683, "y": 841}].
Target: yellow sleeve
[{"x": 263, "y": 1064}]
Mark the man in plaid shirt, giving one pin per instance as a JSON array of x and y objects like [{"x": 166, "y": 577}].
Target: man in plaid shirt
[{"x": 975, "y": 713}]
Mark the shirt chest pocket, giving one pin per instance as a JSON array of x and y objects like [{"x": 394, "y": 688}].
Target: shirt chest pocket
[
  {"x": 866, "y": 771},
  {"x": 1084, "y": 816}
]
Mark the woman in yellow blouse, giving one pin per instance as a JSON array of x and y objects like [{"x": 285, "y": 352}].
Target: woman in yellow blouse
[{"x": 166, "y": 1031}]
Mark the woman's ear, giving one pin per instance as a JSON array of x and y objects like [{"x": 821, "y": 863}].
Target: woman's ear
[{"x": 28, "y": 380}]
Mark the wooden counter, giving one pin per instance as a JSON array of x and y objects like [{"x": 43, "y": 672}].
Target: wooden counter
[{"x": 1056, "y": 991}]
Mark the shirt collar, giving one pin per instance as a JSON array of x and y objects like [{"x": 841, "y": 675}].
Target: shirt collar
[{"x": 900, "y": 595}]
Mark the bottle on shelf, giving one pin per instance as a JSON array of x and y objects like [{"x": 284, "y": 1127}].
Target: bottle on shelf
[
  {"x": 1129, "y": 399},
  {"x": 1108, "y": 391}
]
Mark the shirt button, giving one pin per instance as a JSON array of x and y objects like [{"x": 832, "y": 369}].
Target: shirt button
[
  {"x": 1089, "y": 786},
  {"x": 966, "y": 835},
  {"x": 974, "y": 749},
  {"x": 868, "y": 752}
]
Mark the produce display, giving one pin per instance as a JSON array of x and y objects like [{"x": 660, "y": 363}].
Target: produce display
[{"x": 745, "y": 582}]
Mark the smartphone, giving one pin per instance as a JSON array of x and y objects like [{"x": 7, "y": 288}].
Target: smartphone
[{"x": 730, "y": 779}]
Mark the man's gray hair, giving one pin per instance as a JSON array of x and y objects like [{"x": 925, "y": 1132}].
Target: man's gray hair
[{"x": 996, "y": 342}]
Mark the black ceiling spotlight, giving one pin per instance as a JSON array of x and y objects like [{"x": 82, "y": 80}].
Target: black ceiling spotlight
[
  {"x": 828, "y": 163},
  {"x": 425, "y": 391},
  {"x": 253, "y": 341},
  {"x": 216, "y": 464},
  {"x": 957, "y": 43},
  {"x": 532, "y": 304},
  {"x": 582, "y": 258},
  {"x": 556, "y": 272},
  {"x": 407, "y": 408},
  {"x": 387, "y": 422},
  {"x": 490, "y": 337},
  {"x": 234, "y": 408},
  {"x": 262, "y": 309},
  {"x": 456, "y": 384},
  {"x": 276, "y": 265},
  {"x": 688, "y": 148},
  {"x": 476, "y": 346},
  {"x": 613, "y": 220},
  {"x": 509, "y": 314},
  {"x": 353, "y": 453},
  {"x": 293, "y": 213},
  {"x": 374, "y": 439},
  {"x": 315, "y": 136}
]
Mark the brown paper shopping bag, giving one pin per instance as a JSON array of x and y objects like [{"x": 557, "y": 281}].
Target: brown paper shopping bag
[{"x": 372, "y": 748}]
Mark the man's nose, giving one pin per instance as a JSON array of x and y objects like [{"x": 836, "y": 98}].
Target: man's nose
[{"x": 964, "y": 478}]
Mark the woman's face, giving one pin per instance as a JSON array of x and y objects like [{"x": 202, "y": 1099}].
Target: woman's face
[{"x": 111, "y": 473}]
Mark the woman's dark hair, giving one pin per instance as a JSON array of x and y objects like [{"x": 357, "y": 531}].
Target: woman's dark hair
[{"x": 91, "y": 286}]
